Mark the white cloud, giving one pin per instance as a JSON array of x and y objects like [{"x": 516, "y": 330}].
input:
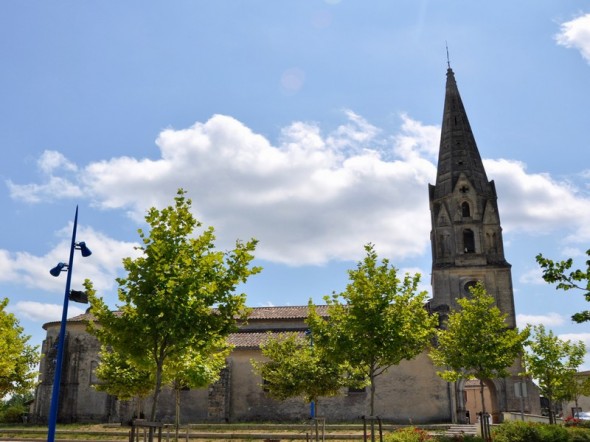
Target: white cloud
[
  {"x": 576, "y": 34},
  {"x": 549, "y": 320},
  {"x": 572, "y": 252},
  {"x": 53, "y": 189},
  {"x": 38, "y": 311},
  {"x": 532, "y": 276},
  {"x": 352, "y": 136},
  {"x": 101, "y": 267},
  {"x": 266, "y": 304},
  {"x": 51, "y": 160},
  {"x": 417, "y": 140},
  {"x": 312, "y": 197},
  {"x": 576, "y": 337},
  {"x": 424, "y": 284},
  {"x": 536, "y": 203}
]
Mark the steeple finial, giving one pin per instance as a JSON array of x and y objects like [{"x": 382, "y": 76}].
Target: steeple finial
[{"x": 448, "y": 59}]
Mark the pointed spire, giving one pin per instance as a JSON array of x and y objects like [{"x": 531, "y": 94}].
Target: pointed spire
[{"x": 458, "y": 151}]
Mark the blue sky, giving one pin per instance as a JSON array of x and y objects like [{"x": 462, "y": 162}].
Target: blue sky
[{"x": 310, "y": 125}]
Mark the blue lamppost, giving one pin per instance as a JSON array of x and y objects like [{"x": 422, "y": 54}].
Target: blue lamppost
[{"x": 56, "y": 271}]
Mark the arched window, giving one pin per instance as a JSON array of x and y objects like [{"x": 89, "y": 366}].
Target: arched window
[
  {"x": 468, "y": 241},
  {"x": 93, "y": 377},
  {"x": 465, "y": 209},
  {"x": 468, "y": 286}
]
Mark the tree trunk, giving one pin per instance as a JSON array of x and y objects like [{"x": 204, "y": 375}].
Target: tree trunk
[
  {"x": 138, "y": 407},
  {"x": 551, "y": 411},
  {"x": 372, "y": 403},
  {"x": 157, "y": 389},
  {"x": 177, "y": 417},
  {"x": 481, "y": 392}
]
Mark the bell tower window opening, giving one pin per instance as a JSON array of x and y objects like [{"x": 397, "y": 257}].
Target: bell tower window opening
[
  {"x": 465, "y": 210},
  {"x": 468, "y": 241}
]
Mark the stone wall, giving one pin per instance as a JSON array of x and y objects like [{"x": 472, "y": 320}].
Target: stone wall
[{"x": 409, "y": 392}]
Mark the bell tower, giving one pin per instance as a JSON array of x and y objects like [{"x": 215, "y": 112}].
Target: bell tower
[
  {"x": 466, "y": 233},
  {"x": 467, "y": 247}
]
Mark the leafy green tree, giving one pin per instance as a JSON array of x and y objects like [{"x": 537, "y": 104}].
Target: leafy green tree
[
  {"x": 294, "y": 367},
  {"x": 476, "y": 342},
  {"x": 15, "y": 409},
  {"x": 377, "y": 322},
  {"x": 197, "y": 369},
  {"x": 179, "y": 295},
  {"x": 577, "y": 385},
  {"x": 552, "y": 362},
  {"x": 18, "y": 359},
  {"x": 558, "y": 272},
  {"x": 119, "y": 377}
]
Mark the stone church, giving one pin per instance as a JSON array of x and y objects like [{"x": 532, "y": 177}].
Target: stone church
[{"x": 467, "y": 247}]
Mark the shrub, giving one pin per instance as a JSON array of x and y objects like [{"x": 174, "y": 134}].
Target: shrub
[
  {"x": 13, "y": 414},
  {"x": 462, "y": 438},
  {"x": 517, "y": 431},
  {"x": 579, "y": 434},
  {"x": 407, "y": 434},
  {"x": 553, "y": 433},
  {"x": 536, "y": 432}
]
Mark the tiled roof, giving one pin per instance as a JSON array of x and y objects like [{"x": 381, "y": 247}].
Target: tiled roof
[
  {"x": 257, "y": 313},
  {"x": 84, "y": 317},
  {"x": 253, "y": 340},
  {"x": 284, "y": 312}
]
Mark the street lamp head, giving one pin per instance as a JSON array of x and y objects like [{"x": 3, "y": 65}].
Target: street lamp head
[
  {"x": 84, "y": 249},
  {"x": 78, "y": 296},
  {"x": 62, "y": 266}
]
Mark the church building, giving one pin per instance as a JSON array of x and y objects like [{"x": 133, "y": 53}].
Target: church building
[{"x": 467, "y": 247}]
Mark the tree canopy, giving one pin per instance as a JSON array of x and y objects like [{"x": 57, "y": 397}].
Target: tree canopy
[
  {"x": 196, "y": 369},
  {"x": 553, "y": 363},
  {"x": 120, "y": 378},
  {"x": 179, "y": 296},
  {"x": 378, "y": 321},
  {"x": 18, "y": 359},
  {"x": 558, "y": 272},
  {"x": 476, "y": 342},
  {"x": 295, "y": 367}
]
